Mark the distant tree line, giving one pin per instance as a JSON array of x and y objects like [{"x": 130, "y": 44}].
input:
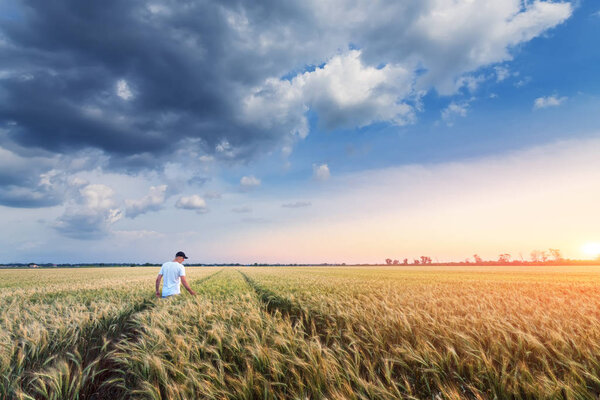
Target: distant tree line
[
  {"x": 536, "y": 257},
  {"x": 550, "y": 256}
]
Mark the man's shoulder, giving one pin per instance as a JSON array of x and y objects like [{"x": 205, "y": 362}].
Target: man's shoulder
[{"x": 172, "y": 264}]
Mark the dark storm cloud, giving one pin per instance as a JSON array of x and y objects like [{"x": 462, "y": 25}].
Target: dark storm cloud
[
  {"x": 138, "y": 82},
  {"x": 22, "y": 197},
  {"x": 29, "y": 182},
  {"x": 82, "y": 226},
  {"x": 184, "y": 68}
]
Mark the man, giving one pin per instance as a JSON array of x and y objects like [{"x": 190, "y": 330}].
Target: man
[{"x": 174, "y": 274}]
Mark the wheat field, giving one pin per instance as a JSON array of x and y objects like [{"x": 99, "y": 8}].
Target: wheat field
[{"x": 302, "y": 333}]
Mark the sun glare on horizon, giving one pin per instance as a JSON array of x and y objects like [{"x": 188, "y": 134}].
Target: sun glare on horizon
[{"x": 591, "y": 249}]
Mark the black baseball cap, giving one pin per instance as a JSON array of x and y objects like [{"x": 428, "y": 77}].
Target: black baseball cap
[{"x": 181, "y": 254}]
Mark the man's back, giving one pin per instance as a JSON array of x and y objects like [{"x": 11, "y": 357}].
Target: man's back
[{"x": 171, "y": 272}]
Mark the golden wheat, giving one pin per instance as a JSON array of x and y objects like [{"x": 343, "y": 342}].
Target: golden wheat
[{"x": 303, "y": 333}]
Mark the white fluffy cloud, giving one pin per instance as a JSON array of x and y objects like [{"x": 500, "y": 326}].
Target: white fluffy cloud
[
  {"x": 501, "y": 73},
  {"x": 431, "y": 44},
  {"x": 549, "y": 101},
  {"x": 454, "y": 110},
  {"x": 123, "y": 90},
  {"x": 454, "y": 38},
  {"x": 249, "y": 182},
  {"x": 91, "y": 215},
  {"x": 97, "y": 197},
  {"x": 224, "y": 149},
  {"x": 344, "y": 92},
  {"x": 321, "y": 172},
  {"x": 153, "y": 201},
  {"x": 193, "y": 202}
]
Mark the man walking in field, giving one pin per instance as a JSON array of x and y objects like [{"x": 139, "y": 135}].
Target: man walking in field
[{"x": 174, "y": 274}]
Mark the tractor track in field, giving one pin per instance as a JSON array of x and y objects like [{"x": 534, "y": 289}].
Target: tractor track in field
[
  {"x": 92, "y": 353},
  {"x": 104, "y": 386},
  {"x": 80, "y": 354},
  {"x": 335, "y": 334},
  {"x": 332, "y": 332},
  {"x": 312, "y": 323}
]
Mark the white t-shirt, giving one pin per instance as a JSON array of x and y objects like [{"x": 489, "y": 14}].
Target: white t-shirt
[{"x": 171, "y": 271}]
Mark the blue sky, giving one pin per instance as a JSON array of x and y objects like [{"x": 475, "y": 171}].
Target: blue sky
[
  {"x": 297, "y": 132},
  {"x": 493, "y": 124}
]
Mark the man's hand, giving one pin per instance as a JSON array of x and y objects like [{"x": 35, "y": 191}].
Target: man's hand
[
  {"x": 158, "y": 279},
  {"x": 187, "y": 286}
]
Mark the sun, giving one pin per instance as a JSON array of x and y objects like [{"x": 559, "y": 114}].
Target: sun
[{"x": 591, "y": 249}]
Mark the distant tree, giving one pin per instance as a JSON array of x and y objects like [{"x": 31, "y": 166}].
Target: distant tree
[
  {"x": 405, "y": 261},
  {"x": 396, "y": 262},
  {"x": 478, "y": 260},
  {"x": 388, "y": 261},
  {"x": 544, "y": 256},
  {"x": 504, "y": 258},
  {"x": 425, "y": 260},
  {"x": 416, "y": 262},
  {"x": 556, "y": 254},
  {"x": 535, "y": 255},
  {"x": 467, "y": 261}
]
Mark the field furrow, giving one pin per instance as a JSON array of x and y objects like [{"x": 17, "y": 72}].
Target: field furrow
[
  {"x": 224, "y": 344},
  {"x": 493, "y": 336},
  {"x": 358, "y": 373},
  {"x": 54, "y": 338},
  {"x": 105, "y": 385}
]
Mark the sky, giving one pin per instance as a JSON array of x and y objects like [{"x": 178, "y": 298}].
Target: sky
[{"x": 299, "y": 131}]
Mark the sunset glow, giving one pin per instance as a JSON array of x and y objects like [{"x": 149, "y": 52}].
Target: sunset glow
[{"x": 591, "y": 249}]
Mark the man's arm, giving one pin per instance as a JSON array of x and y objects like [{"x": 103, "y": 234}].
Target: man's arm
[
  {"x": 158, "y": 278},
  {"x": 187, "y": 286}
]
